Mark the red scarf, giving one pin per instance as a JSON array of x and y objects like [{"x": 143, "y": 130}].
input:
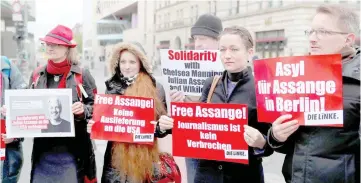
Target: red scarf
[{"x": 61, "y": 68}]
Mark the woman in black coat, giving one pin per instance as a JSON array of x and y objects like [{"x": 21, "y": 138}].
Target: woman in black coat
[{"x": 236, "y": 86}]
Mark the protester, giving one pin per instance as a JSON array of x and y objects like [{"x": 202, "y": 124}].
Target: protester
[
  {"x": 64, "y": 159},
  {"x": 205, "y": 33},
  {"x": 11, "y": 78},
  {"x": 326, "y": 154},
  {"x": 236, "y": 86},
  {"x": 131, "y": 76}
]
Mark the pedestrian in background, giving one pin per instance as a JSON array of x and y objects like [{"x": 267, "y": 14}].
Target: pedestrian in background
[{"x": 11, "y": 78}]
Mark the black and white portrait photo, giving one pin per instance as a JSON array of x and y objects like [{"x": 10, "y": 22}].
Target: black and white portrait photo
[
  {"x": 40, "y": 113},
  {"x": 56, "y": 122}
]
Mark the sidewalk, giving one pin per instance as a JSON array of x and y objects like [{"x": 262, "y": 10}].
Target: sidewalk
[{"x": 272, "y": 165}]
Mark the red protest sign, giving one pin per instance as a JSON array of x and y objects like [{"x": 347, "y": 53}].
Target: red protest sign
[
  {"x": 308, "y": 87},
  {"x": 2, "y": 143},
  {"x": 210, "y": 131},
  {"x": 123, "y": 119}
]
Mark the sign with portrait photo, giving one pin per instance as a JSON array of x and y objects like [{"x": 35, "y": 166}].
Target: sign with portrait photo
[{"x": 39, "y": 113}]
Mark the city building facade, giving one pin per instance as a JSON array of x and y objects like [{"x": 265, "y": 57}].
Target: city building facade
[
  {"x": 277, "y": 26},
  {"x": 114, "y": 21}
]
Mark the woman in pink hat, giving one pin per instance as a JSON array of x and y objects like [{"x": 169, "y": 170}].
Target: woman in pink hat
[{"x": 65, "y": 159}]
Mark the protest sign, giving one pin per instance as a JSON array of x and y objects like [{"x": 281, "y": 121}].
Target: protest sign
[
  {"x": 39, "y": 113},
  {"x": 307, "y": 87},
  {"x": 2, "y": 143},
  {"x": 187, "y": 70},
  {"x": 210, "y": 131},
  {"x": 123, "y": 119}
]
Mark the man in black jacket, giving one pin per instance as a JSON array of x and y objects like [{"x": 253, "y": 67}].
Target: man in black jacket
[
  {"x": 205, "y": 33},
  {"x": 326, "y": 154}
]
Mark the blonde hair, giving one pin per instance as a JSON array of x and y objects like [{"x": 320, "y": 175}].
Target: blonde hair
[
  {"x": 242, "y": 32},
  {"x": 72, "y": 56},
  {"x": 135, "y": 162},
  {"x": 347, "y": 19}
]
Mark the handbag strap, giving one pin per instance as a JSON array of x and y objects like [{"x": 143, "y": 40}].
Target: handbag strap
[{"x": 213, "y": 87}]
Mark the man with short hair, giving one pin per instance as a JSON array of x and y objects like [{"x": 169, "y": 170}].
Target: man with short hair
[
  {"x": 11, "y": 78},
  {"x": 326, "y": 154},
  {"x": 205, "y": 33},
  {"x": 56, "y": 123}
]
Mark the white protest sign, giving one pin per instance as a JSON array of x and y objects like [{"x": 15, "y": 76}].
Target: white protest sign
[
  {"x": 39, "y": 113},
  {"x": 187, "y": 70}
]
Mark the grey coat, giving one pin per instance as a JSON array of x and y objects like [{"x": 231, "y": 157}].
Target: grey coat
[{"x": 14, "y": 81}]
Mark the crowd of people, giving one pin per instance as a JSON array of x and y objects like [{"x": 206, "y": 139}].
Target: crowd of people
[{"x": 313, "y": 154}]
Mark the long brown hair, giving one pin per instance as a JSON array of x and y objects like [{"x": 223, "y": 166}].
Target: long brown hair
[{"x": 135, "y": 161}]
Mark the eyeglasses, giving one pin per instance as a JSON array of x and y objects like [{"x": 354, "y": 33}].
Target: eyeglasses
[{"x": 320, "y": 33}]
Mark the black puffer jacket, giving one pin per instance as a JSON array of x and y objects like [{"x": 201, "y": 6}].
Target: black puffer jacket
[{"x": 325, "y": 154}]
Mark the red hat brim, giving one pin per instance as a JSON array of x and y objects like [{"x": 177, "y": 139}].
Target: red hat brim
[{"x": 52, "y": 40}]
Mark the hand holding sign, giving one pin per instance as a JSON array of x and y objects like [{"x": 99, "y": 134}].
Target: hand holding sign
[
  {"x": 3, "y": 110},
  {"x": 90, "y": 125},
  {"x": 253, "y": 137},
  {"x": 77, "y": 108},
  {"x": 176, "y": 96},
  {"x": 6, "y": 140},
  {"x": 165, "y": 123},
  {"x": 282, "y": 130}
]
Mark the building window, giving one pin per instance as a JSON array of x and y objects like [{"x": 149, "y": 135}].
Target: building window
[
  {"x": 237, "y": 7},
  {"x": 209, "y": 6},
  {"x": 269, "y": 4},
  {"x": 196, "y": 11},
  {"x": 270, "y": 44},
  {"x": 192, "y": 14}
]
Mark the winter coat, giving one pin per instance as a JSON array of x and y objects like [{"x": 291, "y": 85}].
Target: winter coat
[
  {"x": 79, "y": 146},
  {"x": 243, "y": 93},
  {"x": 117, "y": 86},
  {"x": 327, "y": 154}
]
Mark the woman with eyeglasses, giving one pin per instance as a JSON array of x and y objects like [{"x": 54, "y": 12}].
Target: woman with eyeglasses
[
  {"x": 326, "y": 154},
  {"x": 236, "y": 86},
  {"x": 64, "y": 159}
]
